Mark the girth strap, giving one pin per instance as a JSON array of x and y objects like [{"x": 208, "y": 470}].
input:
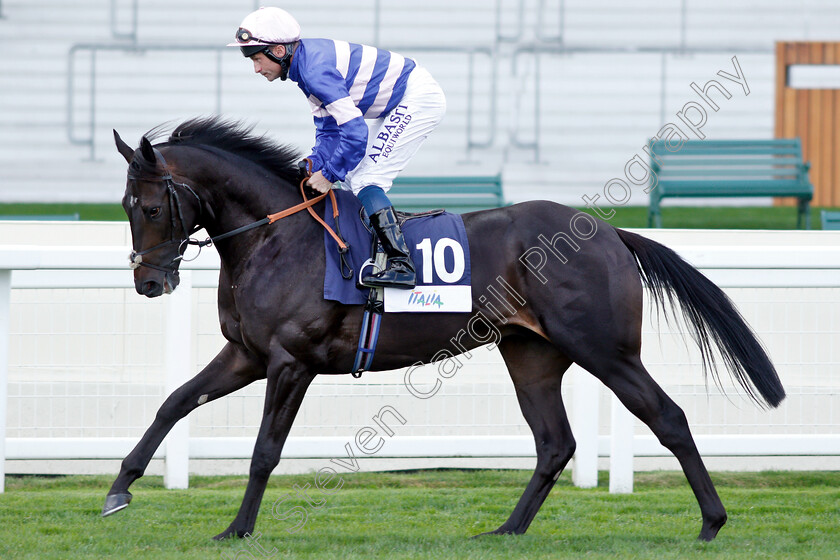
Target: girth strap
[
  {"x": 369, "y": 335},
  {"x": 371, "y": 321}
]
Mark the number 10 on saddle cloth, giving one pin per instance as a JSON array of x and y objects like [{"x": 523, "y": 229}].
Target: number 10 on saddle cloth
[{"x": 439, "y": 249}]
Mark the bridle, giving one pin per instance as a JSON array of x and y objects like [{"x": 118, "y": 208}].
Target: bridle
[{"x": 136, "y": 257}]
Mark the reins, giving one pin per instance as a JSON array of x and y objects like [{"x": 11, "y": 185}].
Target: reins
[
  {"x": 307, "y": 204},
  {"x": 136, "y": 257}
]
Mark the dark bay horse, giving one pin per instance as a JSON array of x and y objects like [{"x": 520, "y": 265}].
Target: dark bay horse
[{"x": 575, "y": 287}]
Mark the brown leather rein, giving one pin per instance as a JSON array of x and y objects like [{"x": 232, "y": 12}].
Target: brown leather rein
[
  {"x": 136, "y": 257},
  {"x": 307, "y": 204}
]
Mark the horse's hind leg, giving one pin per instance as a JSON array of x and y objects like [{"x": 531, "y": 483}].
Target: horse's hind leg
[
  {"x": 637, "y": 390},
  {"x": 536, "y": 369}
]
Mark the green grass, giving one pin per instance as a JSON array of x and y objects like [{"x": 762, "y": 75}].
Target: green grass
[
  {"x": 426, "y": 514},
  {"x": 753, "y": 217},
  {"x": 106, "y": 212},
  {"x": 710, "y": 217}
]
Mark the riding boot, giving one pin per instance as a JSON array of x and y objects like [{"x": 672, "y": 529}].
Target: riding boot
[{"x": 399, "y": 271}]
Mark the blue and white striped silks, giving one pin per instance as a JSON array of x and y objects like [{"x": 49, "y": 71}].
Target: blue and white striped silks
[{"x": 345, "y": 84}]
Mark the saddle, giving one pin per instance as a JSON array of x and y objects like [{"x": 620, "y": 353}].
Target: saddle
[
  {"x": 377, "y": 254},
  {"x": 440, "y": 251},
  {"x": 375, "y": 304}
]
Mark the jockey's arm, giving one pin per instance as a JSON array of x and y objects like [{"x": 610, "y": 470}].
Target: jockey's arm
[
  {"x": 340, "y": 130},
  {"x": 326, "y": 141},
  {"x": 339, "y": 146}
]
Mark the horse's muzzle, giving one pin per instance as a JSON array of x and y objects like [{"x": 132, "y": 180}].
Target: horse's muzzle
[{"x": 153, "y": 288}]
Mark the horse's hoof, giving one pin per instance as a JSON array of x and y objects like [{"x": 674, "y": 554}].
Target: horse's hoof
[
  {"x": 710, "y": 529},
  {"x": 706, "y": 536},
  {"x": 498, "y": 531},
  {"x": 228, "y": 533},
  {"x": 115, "y": 502}
]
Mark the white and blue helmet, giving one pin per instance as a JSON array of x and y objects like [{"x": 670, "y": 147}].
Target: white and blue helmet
[{"x": 264, "y": 28}]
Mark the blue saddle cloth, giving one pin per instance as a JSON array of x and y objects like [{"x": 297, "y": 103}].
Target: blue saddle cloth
[{"x": 431, "y": 254}]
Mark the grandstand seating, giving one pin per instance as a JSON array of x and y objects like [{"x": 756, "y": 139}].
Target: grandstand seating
[{"x": 562, "y": 94}]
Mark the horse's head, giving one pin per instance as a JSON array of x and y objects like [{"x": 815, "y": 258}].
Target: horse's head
[{"x": 161, "y": 218}]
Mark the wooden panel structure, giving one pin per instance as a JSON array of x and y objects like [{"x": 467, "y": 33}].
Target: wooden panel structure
[{"x": 811, "y": 114}]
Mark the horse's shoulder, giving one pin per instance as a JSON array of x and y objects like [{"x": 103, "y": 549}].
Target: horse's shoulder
[{"x": 229, "y": 318}]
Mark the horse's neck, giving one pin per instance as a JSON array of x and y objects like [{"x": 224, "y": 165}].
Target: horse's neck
[{"x": 237, "y": 199}]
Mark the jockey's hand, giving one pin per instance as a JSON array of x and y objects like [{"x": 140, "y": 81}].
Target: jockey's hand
[{"x": 319, "y": 183}]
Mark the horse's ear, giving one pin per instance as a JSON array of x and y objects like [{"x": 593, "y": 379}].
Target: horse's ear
[
  {"x": 147, "y": 150},
  {"x": 123, "y": 148}
]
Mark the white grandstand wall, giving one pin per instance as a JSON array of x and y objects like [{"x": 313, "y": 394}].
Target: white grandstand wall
[{"x": 598, "y": 89}]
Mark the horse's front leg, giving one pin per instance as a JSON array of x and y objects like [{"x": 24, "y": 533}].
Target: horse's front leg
[
  {"x": 286, "y": 387},
  {"x": 232, "y": 369}
]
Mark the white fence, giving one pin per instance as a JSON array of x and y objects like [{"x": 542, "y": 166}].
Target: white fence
[{"x": 85, "y": 362}]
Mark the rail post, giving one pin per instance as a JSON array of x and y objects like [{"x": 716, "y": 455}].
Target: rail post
[
  {"x": 5, "y": 299},
  {"x": 178, "y": 364}
]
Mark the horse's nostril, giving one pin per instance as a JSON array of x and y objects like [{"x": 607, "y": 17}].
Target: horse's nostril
[{"x": 150, "y": 289}]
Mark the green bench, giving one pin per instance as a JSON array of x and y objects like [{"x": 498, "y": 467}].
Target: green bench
[
  {"x": 730, "y": 168},
  {"x": 456, "y": 193},
  {"x": 830, "y": 219}
]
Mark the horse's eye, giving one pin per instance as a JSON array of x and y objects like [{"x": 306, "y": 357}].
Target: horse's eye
[{"x": 154, "y": 212}]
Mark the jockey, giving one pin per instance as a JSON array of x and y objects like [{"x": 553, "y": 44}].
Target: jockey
[{"x": 345, "y": 84}]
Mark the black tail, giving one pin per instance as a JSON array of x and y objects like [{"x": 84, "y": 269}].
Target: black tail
[{"x": 711, "y": 316}]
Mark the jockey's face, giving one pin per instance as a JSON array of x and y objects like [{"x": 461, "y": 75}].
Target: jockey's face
[{"x": 267, "y": 67}]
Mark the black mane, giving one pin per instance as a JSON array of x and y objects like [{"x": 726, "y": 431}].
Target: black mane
[{"x": 236, "y": 138}]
